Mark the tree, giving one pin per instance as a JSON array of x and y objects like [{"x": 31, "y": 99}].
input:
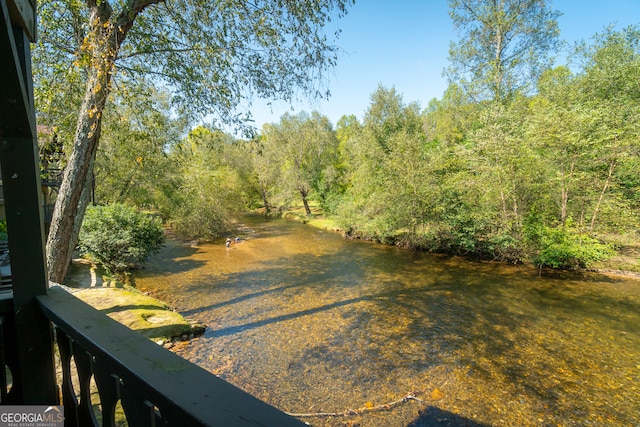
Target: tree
[
  {"x": 210, "y": 56},
  {"x": 348, "y": 133},
  {"x": 396, "y": 127},
  {"x": 585, "y": 124},
  {"x": 387, "y": 178},
  {"x": 559, "y": 126},
  {"x": 266, "y": 170},
  {"x": 449, "y": 120},
  {"x": 609, "y": 88},
  {"x": 504, "y": 45},
  {"x": 307, "y": 146},
  {"x": 208, "y": 187}
]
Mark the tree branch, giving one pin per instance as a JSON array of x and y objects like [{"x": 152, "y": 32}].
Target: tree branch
[
  {"x": 154, "y": 51},
  {"x": 359, "y": 411}
]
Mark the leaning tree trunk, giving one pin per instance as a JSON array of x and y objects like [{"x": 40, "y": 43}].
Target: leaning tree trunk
[
  {"x": 265, "y": 201},
  {"x": 59, "y": 250},
  {"x": 105, "y": 39},
  {"x": 307, "y": 210}
]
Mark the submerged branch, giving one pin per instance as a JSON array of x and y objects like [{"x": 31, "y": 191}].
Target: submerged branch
[{"x": 365, "y": 409}]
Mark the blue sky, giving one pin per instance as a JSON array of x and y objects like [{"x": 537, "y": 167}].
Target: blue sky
[{"x": 404, "y": 44}]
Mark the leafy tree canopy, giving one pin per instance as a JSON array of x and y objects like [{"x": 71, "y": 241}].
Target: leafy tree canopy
[
  {"x": 212, "y": 56},
  {"x": 503, "y": 45}
]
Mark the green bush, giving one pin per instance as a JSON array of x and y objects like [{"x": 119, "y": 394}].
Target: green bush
[
  {"x": 117, "y": 236},
  {"x": 502, "y": 246},
  {"x": 564, "y": 247}
]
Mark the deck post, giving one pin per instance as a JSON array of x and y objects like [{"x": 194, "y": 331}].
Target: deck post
[{"x": 35, "y": 376}]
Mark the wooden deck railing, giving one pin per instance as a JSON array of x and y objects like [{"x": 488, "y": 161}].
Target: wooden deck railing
[{"x": 154, "y": 386}]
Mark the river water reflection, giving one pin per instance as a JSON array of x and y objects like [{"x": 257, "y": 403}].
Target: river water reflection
[{"x": 310, "y": 322}]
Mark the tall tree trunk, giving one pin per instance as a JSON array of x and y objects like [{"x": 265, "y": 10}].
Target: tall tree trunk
[
  {"x": 307, "y": 210},
  {"x": 605, "y": 187},
  {"x": 74, "y": 179},
  {"x": 104, "y": 39},
  {"x": 265, "y": 202}
]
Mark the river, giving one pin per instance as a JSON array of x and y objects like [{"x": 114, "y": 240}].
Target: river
[{"x": 311, "y": 322}]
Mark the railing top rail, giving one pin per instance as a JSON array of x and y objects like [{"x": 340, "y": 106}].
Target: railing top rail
[{"x": 165, "y": 379}]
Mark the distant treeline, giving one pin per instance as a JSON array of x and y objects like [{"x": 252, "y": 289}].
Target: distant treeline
[{"x": 540, "y": 178}]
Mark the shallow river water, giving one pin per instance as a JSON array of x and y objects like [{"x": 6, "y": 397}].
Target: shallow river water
[{"x": 310, "y": 322}]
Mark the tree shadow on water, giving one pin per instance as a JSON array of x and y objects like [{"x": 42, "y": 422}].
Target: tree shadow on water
[
  {"x": 238, "y": 299},
  {"x": 433, "y": 416},
  {"x": 174, "y": 257},
  {"x": 252, "y": 325},
  {"x": 171, "y": 266}
]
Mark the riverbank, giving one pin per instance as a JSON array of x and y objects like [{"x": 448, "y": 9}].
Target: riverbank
[
  {"x": 152, "y": 318},
  {"x": 626, "y": 262}
]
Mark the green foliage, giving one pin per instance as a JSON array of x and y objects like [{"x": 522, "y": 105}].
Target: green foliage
[
  {"x": 496, "y": 180},
  {"x": 210, "y": 184},
  {"x": 117, "y": 236},
  {"x": 304, "y": 148},
  {"x": 132, "y": 165},
  {"x": 3, "y": 230},
  {"x": 211, "y": 58},
  {"x": 388, "y": 180},
  {"x": 564, "y": 247},
  {"x": 503, "y": 46},
  {"x": 467, "y": 189},
  {"x": 505, "y": 247},
  {"x": 223, "y": 54}
]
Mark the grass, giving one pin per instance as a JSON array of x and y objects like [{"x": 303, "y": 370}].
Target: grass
[
  {"x": 628, "y": 253},
  {"x": 317, "y": 218}
]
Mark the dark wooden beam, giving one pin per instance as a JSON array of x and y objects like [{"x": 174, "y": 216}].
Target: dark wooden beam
[
  {"x": 35, "y": 375},
  {"x": 23, "y": 15},
  {"x": 17, "y": 116}
]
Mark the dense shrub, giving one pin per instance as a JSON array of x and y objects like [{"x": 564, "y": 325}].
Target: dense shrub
[
  {"x": 502, "y": 246},
  {"x": 564, "y": 247},
  {"x": 117, "y": 236}
]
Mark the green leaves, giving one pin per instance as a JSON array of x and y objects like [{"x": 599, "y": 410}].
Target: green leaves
[
  {"x": 117, "y": 237},
  {"x": 213, "y": 56},
  {"x": 210, "y": 56},
  {"x": 503, "y": 46},
  {"x": 304, "y": 150},
  {"x": 210, "y": 184},
  {"x": 564, "y": 247}
]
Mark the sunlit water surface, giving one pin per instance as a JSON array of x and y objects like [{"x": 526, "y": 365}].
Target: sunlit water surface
[{"x": 310, "y": 322}]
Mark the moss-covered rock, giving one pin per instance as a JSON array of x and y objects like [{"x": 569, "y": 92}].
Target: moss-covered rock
[{"x": 149, "y": 316}]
